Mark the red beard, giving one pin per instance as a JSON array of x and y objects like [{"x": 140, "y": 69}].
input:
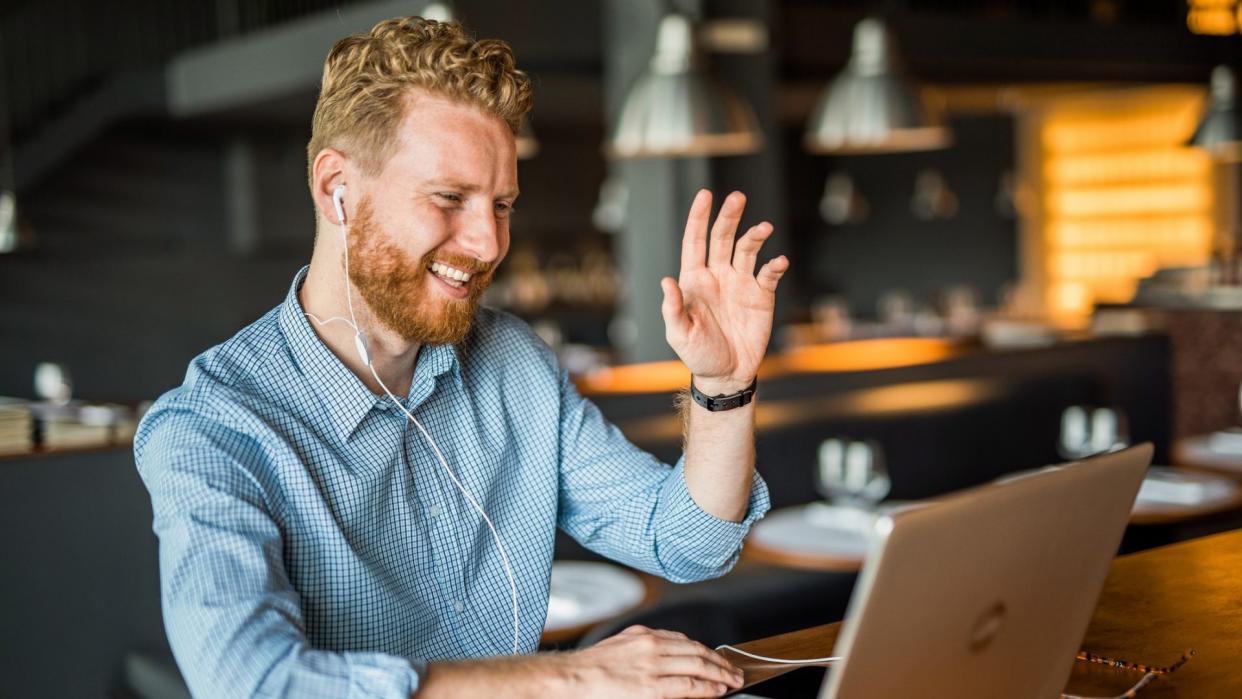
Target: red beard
[{"x": 395, "y": 285}]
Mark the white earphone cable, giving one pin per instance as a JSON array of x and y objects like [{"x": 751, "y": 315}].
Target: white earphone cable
[
  {"x": 504, "y": 556},
  {"x": 346, "y": 321},
  {"x": 783, "y": 661}
]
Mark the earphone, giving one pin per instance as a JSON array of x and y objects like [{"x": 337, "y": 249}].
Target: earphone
[
  {"x": 360, "y": 345},
  {"x": 360, "y": 340},
  {"x": 338, "y": 196}
]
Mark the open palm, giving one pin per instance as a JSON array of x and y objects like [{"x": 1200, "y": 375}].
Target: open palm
[{"x": 718, "y": 314}]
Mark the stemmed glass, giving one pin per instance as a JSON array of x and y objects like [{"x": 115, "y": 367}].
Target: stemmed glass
[
  {"x": 1087, "y": 431},
  {"x": 52, "y": 383},
  {"x": 852, "y": 473}
]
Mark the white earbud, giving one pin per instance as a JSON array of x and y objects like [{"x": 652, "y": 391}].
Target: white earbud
[
  {"x": 360, "y": 340},
  {"x": 338, "y": 194}
]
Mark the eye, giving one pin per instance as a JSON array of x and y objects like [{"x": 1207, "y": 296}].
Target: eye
[
  {"x": 452, "y": 197},
  {"x": 504, "y": 208}
]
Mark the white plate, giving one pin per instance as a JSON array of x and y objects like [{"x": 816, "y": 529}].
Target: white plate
[
  {"x": 1167, "y": 488},
  {"x": 586, "y": 592},
  {"x": 817, "y": 528},
  {"x": 1228, "y": 442}
]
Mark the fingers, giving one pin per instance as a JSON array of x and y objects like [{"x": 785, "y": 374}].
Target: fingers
[
  {"x": 770, "y": 274},
  {"x": 675, "y": 635},
  {"x": 667, "y": 662},
  {"x": 748, "y": 247},
  {"x": 682, "y": 656},
  {"x": 676, "y": 322},
  {"x": 721, "y": 252},
  {"x": 694, "y": 241},
  {"x": 701, "y": 667},
  {"x": 690, "y": 687}
]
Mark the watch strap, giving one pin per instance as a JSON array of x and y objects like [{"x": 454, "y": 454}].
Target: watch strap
[{"x": 723, "y": 402}]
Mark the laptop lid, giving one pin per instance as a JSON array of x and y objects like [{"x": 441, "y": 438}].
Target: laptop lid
[{"x": 987, "y": 592}]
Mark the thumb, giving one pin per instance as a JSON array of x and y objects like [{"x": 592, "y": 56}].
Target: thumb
[
  {"x": 770, "y": 274},
  {"x": 673, "y": 309}
]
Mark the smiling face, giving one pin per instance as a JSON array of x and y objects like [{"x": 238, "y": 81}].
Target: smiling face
[{"x": 431, "y": 227}]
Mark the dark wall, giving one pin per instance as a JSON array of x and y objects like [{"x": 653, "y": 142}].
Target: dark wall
[
  {"x": 892, "y": 248},
  {"x": 133, "y": 276}
]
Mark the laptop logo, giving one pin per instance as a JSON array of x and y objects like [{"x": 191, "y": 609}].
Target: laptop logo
[{"x": 987, "y": 627}]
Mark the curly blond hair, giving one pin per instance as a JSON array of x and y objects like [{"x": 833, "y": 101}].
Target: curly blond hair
[{"x": 367, "y": 76}]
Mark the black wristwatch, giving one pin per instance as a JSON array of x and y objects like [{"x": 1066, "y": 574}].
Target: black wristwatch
[{"x": 722, "y": 402}]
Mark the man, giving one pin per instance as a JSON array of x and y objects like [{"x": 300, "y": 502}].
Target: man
[{"x": 357, "y": 494}]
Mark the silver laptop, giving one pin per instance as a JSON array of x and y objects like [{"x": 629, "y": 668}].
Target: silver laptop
[{"x": 987, "y": 592}]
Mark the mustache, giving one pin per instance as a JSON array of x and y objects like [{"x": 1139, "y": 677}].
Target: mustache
[{"x": 462, "y": 262}]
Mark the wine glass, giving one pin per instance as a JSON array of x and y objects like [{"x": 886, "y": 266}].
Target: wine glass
[
  {"x": 852, "y": 473},
  {"x": 52, "y": 383},
  {"x": 1087, "y": 431}
]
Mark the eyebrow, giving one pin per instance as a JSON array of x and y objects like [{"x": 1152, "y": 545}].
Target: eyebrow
[{"x": 462, "y": 186}]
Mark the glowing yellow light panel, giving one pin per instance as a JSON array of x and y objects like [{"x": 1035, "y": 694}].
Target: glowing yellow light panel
[{"x": 1120, "y": 195}]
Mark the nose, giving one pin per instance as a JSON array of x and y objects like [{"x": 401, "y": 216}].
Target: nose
[{"x": 479, "y": 235}]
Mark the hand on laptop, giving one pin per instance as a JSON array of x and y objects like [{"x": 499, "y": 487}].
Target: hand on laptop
[{"x": 643, "y": 662}]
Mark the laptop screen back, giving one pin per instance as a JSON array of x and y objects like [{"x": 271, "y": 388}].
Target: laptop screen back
[{"x": 987, "y": 592}]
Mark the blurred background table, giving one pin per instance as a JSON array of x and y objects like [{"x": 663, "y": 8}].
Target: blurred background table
[
  {"x": 819, "y": 536},
  {"x": 815, "y": 536},
  {"x": 1170, "y": 495},
  {"x": 586, "y": 593},
  {"x": 1199, "y": 451}
]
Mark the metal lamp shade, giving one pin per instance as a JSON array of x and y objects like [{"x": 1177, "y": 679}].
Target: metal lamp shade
[
  {"x": 870, "y": 107},
  {"x": 676, "y": 110},
  {"x": 684, "y": 115},
  {"x": 1220, "y": 131}
]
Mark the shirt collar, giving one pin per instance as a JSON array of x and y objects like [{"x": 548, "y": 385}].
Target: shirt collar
[{"x": 346, "y": 397}]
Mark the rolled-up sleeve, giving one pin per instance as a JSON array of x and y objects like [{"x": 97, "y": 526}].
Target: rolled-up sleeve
[
  {"x": 232, "y": 617},
  {"x": 623, "y": 503}
]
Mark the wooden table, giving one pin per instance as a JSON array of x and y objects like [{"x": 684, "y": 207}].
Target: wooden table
[{"x": 1155, "y": 605}]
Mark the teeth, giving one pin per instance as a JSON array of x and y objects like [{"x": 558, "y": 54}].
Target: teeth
[{"x": 450, "y": 273}]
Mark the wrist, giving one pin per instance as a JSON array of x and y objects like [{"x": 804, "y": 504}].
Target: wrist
[
  {"x": 720, "y": 386},
  {"x": 557, "y": 674}
]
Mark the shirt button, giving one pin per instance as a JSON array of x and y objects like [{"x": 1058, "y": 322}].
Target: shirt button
[
  {"x": 435, "y": 510},
  {"x": 459, "y": 606}
]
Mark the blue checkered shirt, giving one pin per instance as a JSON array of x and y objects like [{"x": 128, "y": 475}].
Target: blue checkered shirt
[{"x": 311, "y": 544}]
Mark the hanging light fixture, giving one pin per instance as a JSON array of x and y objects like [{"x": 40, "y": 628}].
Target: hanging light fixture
[
  {"x": 1220, "y": 130},
  {"x": 870, "y": 107},
  {"x": 677, "y": 109},
  {"x": 440, "y": 12},
  {"x": 932, "y": 198},
  {"x": 527, "y": 144},
  {"x": 841, "y": 202}
]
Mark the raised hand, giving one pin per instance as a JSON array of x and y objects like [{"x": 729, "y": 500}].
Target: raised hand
[{"x": 718, "y": 314}]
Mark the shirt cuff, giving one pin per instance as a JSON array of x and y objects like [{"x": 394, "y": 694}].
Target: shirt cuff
[
  {"x": 376, "y": 675},
  {"x": 694, "y": 544}
]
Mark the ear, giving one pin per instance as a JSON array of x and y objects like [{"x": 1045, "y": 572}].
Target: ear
[{"x": 327, "y": 171}]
